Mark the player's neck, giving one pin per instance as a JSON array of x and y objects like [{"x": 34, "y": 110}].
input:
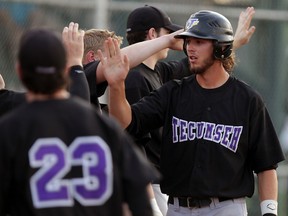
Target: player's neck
[
  {"x": 61, "y": 94},
  {"x": 150, "y": 62},
  {"x": 212, "y": 78}
]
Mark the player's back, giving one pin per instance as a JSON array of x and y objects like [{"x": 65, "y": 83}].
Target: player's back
[{"x": 60, "y": 157}]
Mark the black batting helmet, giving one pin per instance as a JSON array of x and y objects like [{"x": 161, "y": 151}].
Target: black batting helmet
[{"x": 211, "y": 25}]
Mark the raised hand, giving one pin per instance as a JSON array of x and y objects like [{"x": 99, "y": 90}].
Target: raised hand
[
  {"x": 244, "y": 31},
  {"x": 74, "y": 43},
  {"x": 115, "y": 64}
]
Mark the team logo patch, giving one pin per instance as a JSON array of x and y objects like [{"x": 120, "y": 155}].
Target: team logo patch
[{"x": 191, "y": 22}]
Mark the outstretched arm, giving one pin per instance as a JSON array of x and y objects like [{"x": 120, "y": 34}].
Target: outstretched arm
[
  {"x": 115, "y": 68},
  {"x": 138, "y": 52},
  {"x": 244, "y": 31}
]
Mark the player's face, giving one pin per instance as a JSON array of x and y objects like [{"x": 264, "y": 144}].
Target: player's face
[{"x": 200, "y": 54}]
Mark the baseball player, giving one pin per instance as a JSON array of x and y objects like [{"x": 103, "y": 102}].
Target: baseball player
[
  {"x": 94, "y": 40},
  {"x": 58, "y": 154},
  {"x": 148, "y": 23},
  {"x": 94, "y": 69},
  {"x": 217, "y": 131}
]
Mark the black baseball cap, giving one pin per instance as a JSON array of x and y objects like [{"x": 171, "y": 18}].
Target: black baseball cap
[
  {"x": 42, "y": 51},
  {"x": 144, "y": 18}
]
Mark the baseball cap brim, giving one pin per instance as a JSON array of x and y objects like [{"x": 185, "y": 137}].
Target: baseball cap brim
[{"x": 173, "y": 27}]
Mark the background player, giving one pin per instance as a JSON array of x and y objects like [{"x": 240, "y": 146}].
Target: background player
[
  {"x": 94, "y": 71},
  {"x": 94, "y": 40},
  {"x": 57, "y": 154},
  {"x": 216, "y": 129}
]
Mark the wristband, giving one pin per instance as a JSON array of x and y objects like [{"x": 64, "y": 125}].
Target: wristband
[
  {"x": 269, "y": 207},
  {"x": 77, "y": 69}
]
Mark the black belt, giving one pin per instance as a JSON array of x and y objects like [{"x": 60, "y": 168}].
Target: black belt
[{"x": 192, "y": 202}]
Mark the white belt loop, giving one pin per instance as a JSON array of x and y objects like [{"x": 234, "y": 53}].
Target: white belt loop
[
  {"x": 176, "y": 202},
  {"x": 215, "y": 201}
]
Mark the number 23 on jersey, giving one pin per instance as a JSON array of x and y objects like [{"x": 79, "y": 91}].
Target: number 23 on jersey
[{"x": 55, "y": 159}]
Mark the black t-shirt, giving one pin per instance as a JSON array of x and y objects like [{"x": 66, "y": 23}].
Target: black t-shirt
[
  {"x": 170, "y": 70},
  {"x": 96, "y": 90},
  {"x": 140, "y": 82},
  {"x": 61, "y": 157}
]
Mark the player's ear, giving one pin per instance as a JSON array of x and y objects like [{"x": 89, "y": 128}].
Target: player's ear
[
  {"x": 90, "y": 56},
  {"x": 152, "y": 34}
]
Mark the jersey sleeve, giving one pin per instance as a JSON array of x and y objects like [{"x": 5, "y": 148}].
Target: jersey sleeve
[
  {"x": 79, "y": 85},
  {"x": 266, "y": 148},
  {"x": 96, "y": 90}
]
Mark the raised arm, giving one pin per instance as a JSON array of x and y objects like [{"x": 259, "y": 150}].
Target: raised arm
[
  {"x": 115, "y": 68},
  {"x": 244, "y": 31},
  {"x": 74, "y": 43},
  {"x": 73, "y": 38},
  {"x": 138, "y": 52}
]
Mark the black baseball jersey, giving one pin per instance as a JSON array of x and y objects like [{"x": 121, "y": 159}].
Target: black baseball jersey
[
  {"x": 61, "y": 157},
  {"x": 140, "y": 82},
  {"x": 213, "y": 139},
  {"x": 96, "y": 90}
]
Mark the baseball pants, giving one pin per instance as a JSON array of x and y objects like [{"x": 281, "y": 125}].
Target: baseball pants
[{"x": 161, "y": 198}]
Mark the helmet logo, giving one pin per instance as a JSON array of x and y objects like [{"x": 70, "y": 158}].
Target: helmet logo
[{"x": 191, "y": 22}]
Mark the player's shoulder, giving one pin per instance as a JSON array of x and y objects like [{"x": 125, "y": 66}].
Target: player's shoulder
[
  {"x": 12, "y": 119},
  {"x": 244, "y": 85},
  {"x": 139, "y": 70},
  {"x": 91, "y": 66},
  {"x": 168, "y": 65},
  {"x": 188, "y": 80},
  {"x": 137, "y": 76},
  {"x": 243, "y": 88},
  {"x": 90, "y": 70}
]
